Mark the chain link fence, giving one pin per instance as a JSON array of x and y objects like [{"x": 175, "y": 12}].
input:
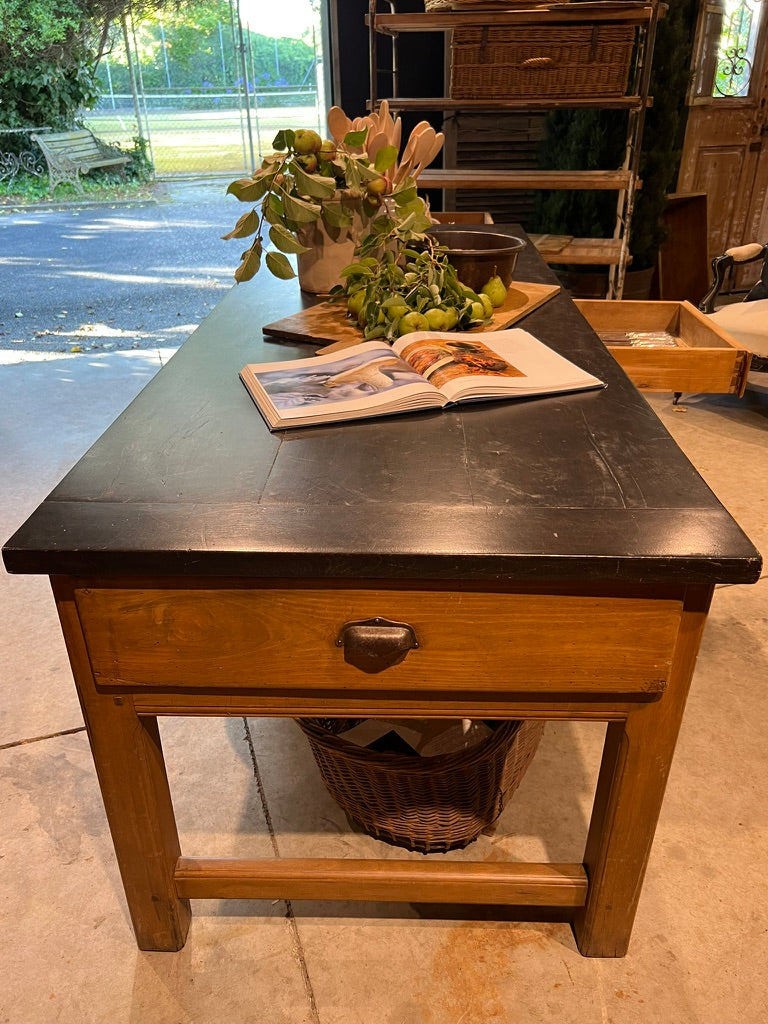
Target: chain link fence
[{"x": 211, "y": 105}]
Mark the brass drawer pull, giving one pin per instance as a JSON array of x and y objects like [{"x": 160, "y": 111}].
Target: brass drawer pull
[{"x": 375, "y": 644}]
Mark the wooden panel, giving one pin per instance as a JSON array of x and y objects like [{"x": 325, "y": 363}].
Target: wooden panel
[
  {"x": 680, "y": 369},
  {"x": 378, "y": 704},
  {"x": 267, "y": 639},
  {"x": 550, "y": 885},
  {"x": 717, "y": 173},
  {"x": 683, "y": 266},
  {"x": 461, "y": 216}
]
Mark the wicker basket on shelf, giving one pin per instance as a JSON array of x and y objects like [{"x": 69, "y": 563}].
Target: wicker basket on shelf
[
  {"x": 427, "y": 804},
  {"x": 541, "y": 61}
]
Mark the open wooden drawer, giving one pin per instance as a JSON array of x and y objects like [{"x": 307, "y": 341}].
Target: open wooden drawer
[{"x": 669, "y": 346}]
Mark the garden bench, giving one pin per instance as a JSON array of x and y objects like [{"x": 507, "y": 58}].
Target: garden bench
[{"x": 68, "y": 154}]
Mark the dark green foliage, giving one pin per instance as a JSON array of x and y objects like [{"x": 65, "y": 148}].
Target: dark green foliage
[
  {"x": 199, "y": 56},
  {"x": 46, "y": 68},
  {"x": 140, "y": 168},
  {"x": 49, "y": 50},
  {"x": 580, "y": 140},
  {"x": 100, "y": 186},
  {"x": 44, "y": 92},
  {"x": 593, "y": 139}
]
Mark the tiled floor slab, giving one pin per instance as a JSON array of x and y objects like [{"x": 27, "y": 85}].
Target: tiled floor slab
[
  {"x": 69, "y": 951},
  {"x": 698, "y": 953},
  {"x": 52, "y": 410}
]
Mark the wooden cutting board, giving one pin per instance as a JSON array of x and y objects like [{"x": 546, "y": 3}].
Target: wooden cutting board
[{"x": 327, "y": 323}]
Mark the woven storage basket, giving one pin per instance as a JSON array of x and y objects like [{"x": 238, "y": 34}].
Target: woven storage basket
[
  {"x": 428, "y": 804},
  {"x": 567, "y": 60}
]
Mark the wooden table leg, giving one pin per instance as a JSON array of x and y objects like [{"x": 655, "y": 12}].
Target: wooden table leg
[
  {"x": 636, "y": 761},
  {"x": 129, "y": 764}
]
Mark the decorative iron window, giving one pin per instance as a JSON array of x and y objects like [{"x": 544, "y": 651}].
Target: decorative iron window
[{"x": 728, "y": 34}]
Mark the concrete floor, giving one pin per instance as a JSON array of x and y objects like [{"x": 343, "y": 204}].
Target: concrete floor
[{"x": 699, "y": 953}]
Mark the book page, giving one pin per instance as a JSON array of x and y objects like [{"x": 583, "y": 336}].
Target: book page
[
  {"x": 364, "y": 380},
  {"x": 491, "y": 365}
]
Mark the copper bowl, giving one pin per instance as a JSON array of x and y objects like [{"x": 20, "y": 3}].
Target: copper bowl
[{"x": 479, "y": 255}]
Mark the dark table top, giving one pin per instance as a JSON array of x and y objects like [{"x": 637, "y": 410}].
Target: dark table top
[{"x": 189, "y": 481}]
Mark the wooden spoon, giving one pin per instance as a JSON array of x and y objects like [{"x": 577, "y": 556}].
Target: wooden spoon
[
  {"x": 430, "y": 153},
  {"x": 423, "y": 146},
  {"x": 397, "y": 129},
  {"x": 407, "y": 159},
  {"x": 338, "y": 124},
  {"x": 378, "y": 141}
]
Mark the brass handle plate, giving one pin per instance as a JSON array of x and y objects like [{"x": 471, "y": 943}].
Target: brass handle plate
[{"x": 373, "y": 645}]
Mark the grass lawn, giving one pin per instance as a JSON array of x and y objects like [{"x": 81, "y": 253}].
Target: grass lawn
[
  {"x": 182, "y": 142},
  {"x": 204, "y": 141},
  {"x": 26, "y": 188}
]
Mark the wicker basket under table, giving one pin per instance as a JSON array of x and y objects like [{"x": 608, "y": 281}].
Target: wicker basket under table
[
  {"x": 541, "y": 61},
  {"x": 428, "y": 804}
]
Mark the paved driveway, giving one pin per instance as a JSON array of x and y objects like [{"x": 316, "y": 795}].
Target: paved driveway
[{"x": 98, "y": 279}]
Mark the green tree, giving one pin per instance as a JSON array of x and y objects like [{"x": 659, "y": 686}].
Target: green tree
[
  {"x": 194, "y": 48},
  {"x": 49, "y": 50}
]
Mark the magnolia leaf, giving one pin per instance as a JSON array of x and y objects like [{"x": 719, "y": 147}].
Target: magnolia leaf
[
  {"x": 355, "y": 139},
  {"x": 314, "y": 185},
  {"x": 404, "y": 196},
  {"x": 299, "y": 210},
  {"x": 273, "y": 209},
  {"x": 248, "y": 190},
  {"x": 370, "y": 207},
  {"x": 366, "y": 171},
  {"x": 282, "y": 238},
  {"x": 385, "y": 158},
  {"x": 335, "y": 216},
  {"x": 250, "y": 265},
  {"x": 407, "y": 222},
  {"x": 278, "y": 265},
  {"x": 246, "y": 225},
  {"x": 356, "y": 269},
  {"x": 284, "y": 139}
]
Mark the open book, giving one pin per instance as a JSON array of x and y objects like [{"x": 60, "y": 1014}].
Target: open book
[{"x": 422, "y": 370}]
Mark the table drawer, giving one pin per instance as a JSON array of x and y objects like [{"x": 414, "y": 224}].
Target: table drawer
[
  {"x": 286, "y": 639},
  {"x": 669, "y": 346}
]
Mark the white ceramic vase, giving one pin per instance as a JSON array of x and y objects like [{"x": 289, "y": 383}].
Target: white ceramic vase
[{"x": 331, "y": 249}]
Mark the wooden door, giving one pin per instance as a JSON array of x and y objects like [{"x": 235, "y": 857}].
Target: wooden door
[{"x": 726, "y": 143}]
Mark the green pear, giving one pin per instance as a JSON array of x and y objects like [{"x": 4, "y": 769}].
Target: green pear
[
  {"x": 495, "y": 290},
  {"x": 306, "y": 141}
]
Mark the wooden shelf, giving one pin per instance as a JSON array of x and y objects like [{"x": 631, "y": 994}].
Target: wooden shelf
[
  {"x": 626, "y": 13},
  {"x": 474, "y": 178},
  {"x": 580, "y": 251},
  {"x": 400, "y": 103}
]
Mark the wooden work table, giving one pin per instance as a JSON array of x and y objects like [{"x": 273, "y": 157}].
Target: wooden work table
[{"x": 556, "y": 559}]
